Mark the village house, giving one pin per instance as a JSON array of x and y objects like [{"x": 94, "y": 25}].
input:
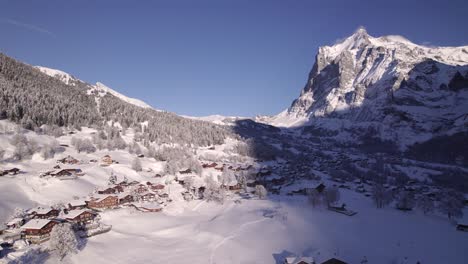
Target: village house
[
  {"x": 109, "y": 190},
  {"x": 157, "y": 187},
  {"x": 80, "y": 218},
  {"x": 45, "y": 213},
  {"x": 37, "y": 230},
  {"x": 76, "y": 204},
  {"x": 106, "y": 160},
  {"x": 141, "y": 189},
  {"x": 148, "y": 197},
  {"x": 15, "y": 223},
  {"x": 299, "y": 260},
  {"x": 103, "y": 202},
  {"x": 67, "y": 172},
  {"x": 125, "y": 198},
  {"x": 68, "y": 160}
]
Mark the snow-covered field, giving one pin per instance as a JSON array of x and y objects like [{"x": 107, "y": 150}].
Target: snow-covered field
[{"x": 266, "y": 231}]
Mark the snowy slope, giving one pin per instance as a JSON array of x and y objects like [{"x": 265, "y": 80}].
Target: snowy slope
[
  {"x": 98, "y": 88},
  {"x": 63, "y": 76}
]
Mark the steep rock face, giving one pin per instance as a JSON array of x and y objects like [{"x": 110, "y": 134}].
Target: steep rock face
[{"x": 408, "y": 92}]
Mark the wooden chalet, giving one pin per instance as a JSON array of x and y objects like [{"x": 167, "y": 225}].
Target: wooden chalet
[
  {"x": 334, "y": 261},
  {"x": 157, "y": 187},
  {"x": 67, "y": 172},
  {"x": 187, "y": 171},
  {"x": 45, "y": 213},
  {"x": 77, "y": 205},
  {"x": 38, "y": 230},
  {"x": 106, "y": 160},
  {"x": 141, "y": 189},
  {"x": 68, "y": 160},
  {"x": 126, "y": 198},
  {"x": 147, "y": 197},
  {"x": 13, "y": 171},
  {"x": 211, "y": 165},
  {"x": 15, "y": 223},
  {"x": 103, "y": 202},
  {"x": 109, "y": 190},
  {"x": 462, "y": 227},
  {"x": 80, "y": 218}
]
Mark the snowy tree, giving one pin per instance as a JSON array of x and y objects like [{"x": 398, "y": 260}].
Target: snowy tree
[
  {"x": 63, "y": 240},
  {"x": 136, "y": 164},
  {"x": 112, "y": 179},
  {"x": 314, "y": 197},
  {"x": 426, "y": 204},
  {"x": 47, "y": 152},
  {"x": 381, "y": 196},
  {"x": 213, "y": 192},
  {"x": 2, "y": 154},
  {"x": 261, "y": 191},
  {"x": 332, "y": 196},
  {"x": 83, "y": 145},
  {"x": 451, "y": 204}
]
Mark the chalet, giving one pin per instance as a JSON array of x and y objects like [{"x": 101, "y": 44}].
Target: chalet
[
  {"x": 157, "y": 187},
  {"x": 38, "y": 230},
  {"x": 187, "y": 171},
  {"x": 15, "y": 223},
  {"x": 68, "y": 160},
  {"x": 141, "y": 189},
  {"x": 462, "y": 227},
  {"x": 106, "y": 160},
  {"x": 147, "y": 197},
  {"x": 76, "y": 205},
  {"x": 132, "y": 183},
  {"x": 320, "y": 188},
  {"x": 103, "y": 202},
  {"x": 125, "y": 198},
  {"x": 80, "y": 218},
  {"x": 13, "y": 171},
  {"x": 299, "y": 260},
  {"x": 45, "y": 213},
  {"x": 334, "y": 261},
  {"x": 211, "y": 165},
  {"x": 118, "y": 189},
  {"x": 67, "y": 172},
  {"x": 109, "y": 190}
]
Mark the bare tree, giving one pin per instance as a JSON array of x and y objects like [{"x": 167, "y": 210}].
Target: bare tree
[
  {"x": 381, "y": 196},
  {"x": 332, "y": 196},
  {"x": 136, "y": 164},
  {"x": 451, "y": 205},
  {"x": 260, "y": 191},
  {"x": 315, "y": 198},
  {"x": 426, "y": 204}
]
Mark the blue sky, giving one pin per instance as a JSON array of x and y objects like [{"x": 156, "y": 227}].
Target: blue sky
[{"x": 240, "y": 57}]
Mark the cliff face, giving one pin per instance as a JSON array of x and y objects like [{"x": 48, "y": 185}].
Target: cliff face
[{"x": 407, "y": 92}]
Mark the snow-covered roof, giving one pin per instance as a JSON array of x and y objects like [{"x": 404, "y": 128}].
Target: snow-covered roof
[
  {"x": 74, "y": 213},
  {"x": 40, "y": 210},
  {"x": 295, "y": 260},
  {"x": 14, "y": 221},
  {"x": 35, "y": 224},
  {"x": 77, "y": 202}
]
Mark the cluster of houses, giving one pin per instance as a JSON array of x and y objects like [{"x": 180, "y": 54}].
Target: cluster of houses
[
  {"x": 36, "y": 225},
  {"x": 12, "y": 171}
]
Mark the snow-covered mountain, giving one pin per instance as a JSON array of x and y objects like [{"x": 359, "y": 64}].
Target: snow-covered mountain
[
  {"x": 408, "y": 92},
  {"x": 98, "y": 89}
]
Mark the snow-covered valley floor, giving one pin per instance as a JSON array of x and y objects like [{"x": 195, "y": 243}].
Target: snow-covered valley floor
[{"x": 266, "y": 231}]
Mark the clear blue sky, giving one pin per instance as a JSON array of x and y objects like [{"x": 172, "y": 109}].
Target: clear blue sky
[{"x": 239, "y": 57}]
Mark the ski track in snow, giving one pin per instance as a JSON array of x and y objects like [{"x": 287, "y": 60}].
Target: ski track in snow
[{"x": 234, "y": 234}]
